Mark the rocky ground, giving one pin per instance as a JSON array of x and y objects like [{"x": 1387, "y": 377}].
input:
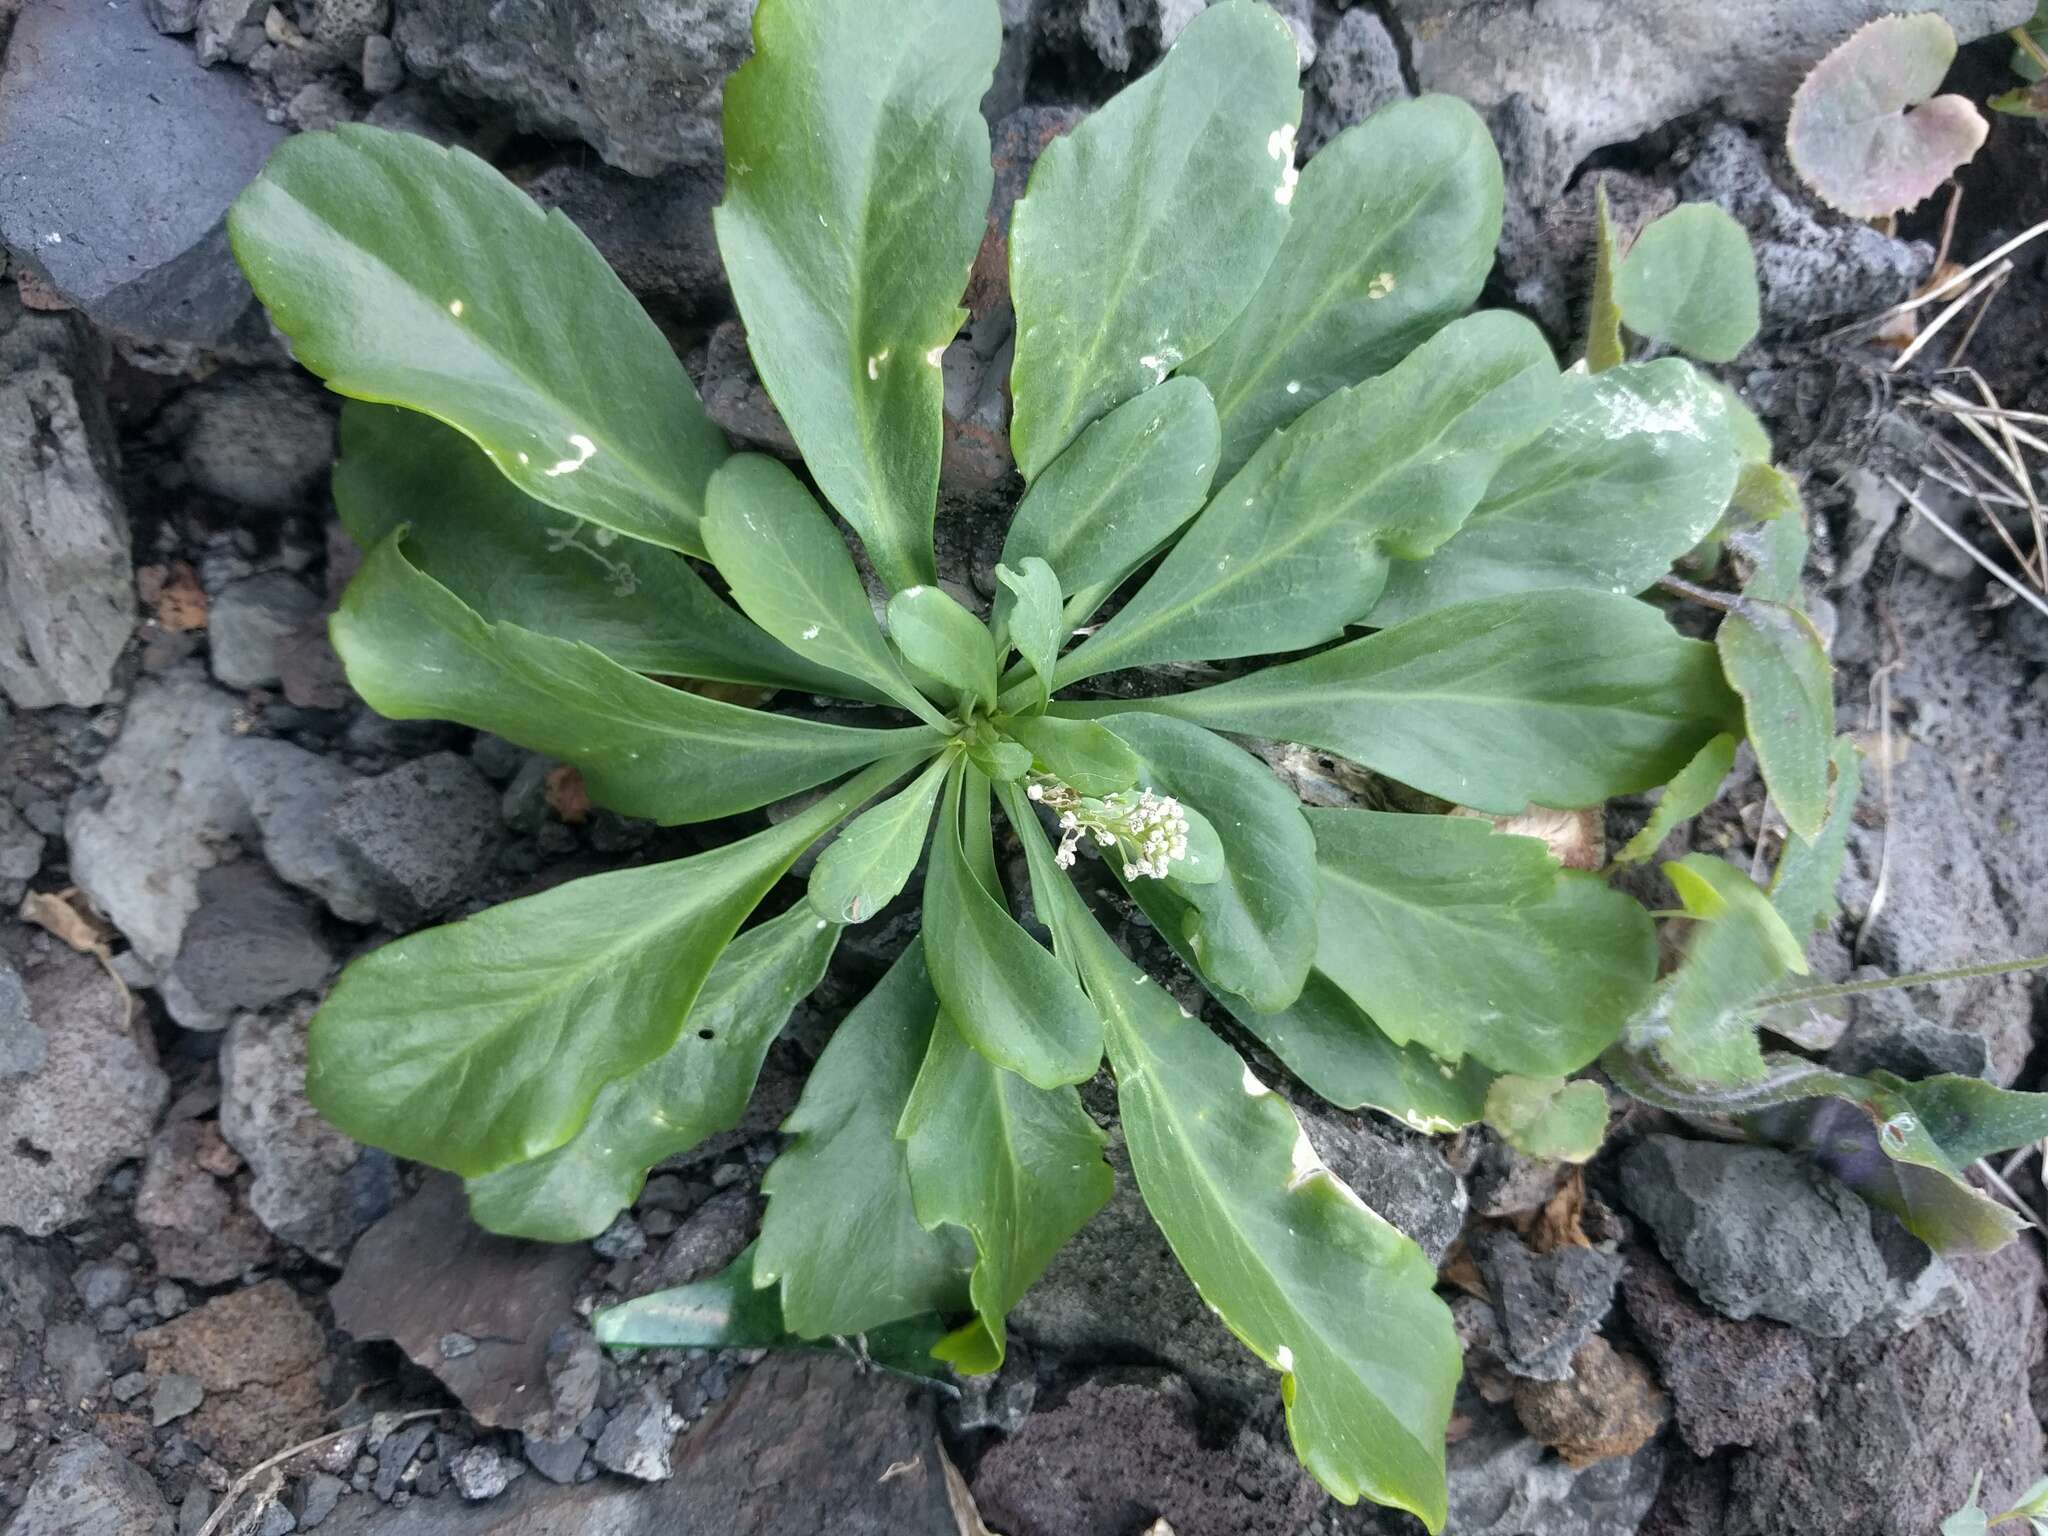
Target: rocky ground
[{"x": 199, "y": 824}]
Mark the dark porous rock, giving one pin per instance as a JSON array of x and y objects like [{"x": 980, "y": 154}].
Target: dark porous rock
[
  {"x": 248, "y": 621},
  {"x": 67, "y": 584},
  {"x": 655, "y": 232},
  {"x": 168, "y": 810},
  {"x": 1125, "y": 1448},
  {"x": 315, "y": 1188},
  {"x": 480, "y": 1473},
  {"x": 426, "y": 1271},
  {"x": 1731, "y": 1383},
  {"x": 1610, "y": 1406},
  {"x": 21, "y": 856},
  {"x": 1906, "y": 1421},
  {"x": 291, "y": 794},
  {"x": 88, "y": 1489},
  {"x": 1399, "y": 1173},
  {"x": 87, "y": 1103},
  {"x": 198, "y": 1225},
  {"x": 258, "y": 438},
  {"x": 251, "y": 942},
  {"x": 641, "y": 83},
  {"x": 1814, "y": 270},
  {"x": 1357, "y": 71},
  {"x": 395, "y": 1458},
  {"x": 1548, "y": 1304},
  {"x": 257, "y": 1355},
  {"x": 120, "y": 158},
  {"x": 999, "y": 1402},
  {"x": 1758, "y": 1233},
  {"x": 427, "y": 834},
  {"x": 710, "y": 1238}
]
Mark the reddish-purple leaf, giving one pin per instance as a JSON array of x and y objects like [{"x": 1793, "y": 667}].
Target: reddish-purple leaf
[{"x": 1864, "y": 134}]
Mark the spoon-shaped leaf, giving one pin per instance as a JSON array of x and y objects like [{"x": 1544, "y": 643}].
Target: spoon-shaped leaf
[
  {"x": 867, "y": 865},
  {"x": 1778, "y": 662},
  {"x": 415, "y": 275},
  {"x": 1145, "y": 230},
  {"x": 944, "y": 642},
  {"x": 856, "y": 190},
  {"x": 1690, "y": 280}
]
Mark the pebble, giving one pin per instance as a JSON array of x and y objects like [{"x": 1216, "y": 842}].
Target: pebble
[
  {"x": 480, "y": 1473},
  {"x": 174, "y": 1397}
]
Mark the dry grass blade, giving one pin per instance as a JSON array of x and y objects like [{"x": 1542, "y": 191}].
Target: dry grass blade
[
  {"x": 1997, "y": 572},
  {"x": 1992, "y": 279}
]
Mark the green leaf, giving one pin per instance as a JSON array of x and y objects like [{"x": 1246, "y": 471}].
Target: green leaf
[
  {"x": 1327, "y": 1041},
  {"x": 1551, "y": 698},
  {"x": 485, "y": 1042},
  {"x": 1394, "y": 226},
  {"x": 1186, "y": 172},
  {"x": 1690, "y": 281},
  {"x": 1777, "y": 661},
  {"x": 1691, "y": 790},
  {"x": 856, "y": 193},
  {"x": 1752, "y": 440},
  {"x": 414, "y": 652},
  {"x": 1603, "y": 316},
  {"x": 1319, "y": 1287},
  {"x": 841, "y": 1235},
  {"x": 1019, "y": 1168},
  {"x": 1086, "y": 756},
  {"x": 1803, "y": 886},
  {"x": 414, "y": 275},
  {"x": 1297, "y": 545},
  {"x": 1736, "y": 951},
  {"x": 1471, "y": 942},
  {"x": 1969, "y": 1118},
  {"x": 942, "y": 640},
  {"x": 1113, "y": 500},
  {"x": 997, "y": 757},
  {"x": 1632, "y": 474},
  {"x": 1252, "y": 932},
  {"x": 1548, "y": 1118},
  {"x": 1028, "y": 617},
  {"x": 696, "y": 1089},
  {"x": 794, "y": 576},
  {"x": 728, "y": 1311},
  {"x": 1775, "y": 546},
  {"x": 1010, "y": 997},
  {"x": 867, "y": 865},
  {"x": 513, "y": 558}
]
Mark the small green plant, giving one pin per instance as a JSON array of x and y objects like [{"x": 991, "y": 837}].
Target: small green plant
[
  {"x": 1973, "y": 1520},
  {"x": 1254, "y": 419},
  {"x": 2030, "y": 63}
]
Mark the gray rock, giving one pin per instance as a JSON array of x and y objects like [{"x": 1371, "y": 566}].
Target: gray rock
[
  {"x": 1357, "y": 71},
  {"x": 481, "y": 1473},
  {"x": 654, "y": 232},
  {"x": 1587, "y": 73},
  {"x": 323, "y": 1490},
  {"x": 247, "y": 621},
  {"x": 636, "y": 1442},
  {"x": 23, "y": 1045},
  {"x": 1814, "y": 270},
  {"x": 120, "y": 159},
  {"x": 1503, "y": 1483},
  {"x": 395, "y": 1457},
  {"x": 381, "y": 68},
  {"x": 314, "y": 1187},
  {"x": 67, "y": 581},
  {"x": 173, "y": 18},
  {"x": 1000, "y": 1402},
  {"x": 1761, "y": 1234},
  {"x": 169, "y": 808},
  {"x": 1400, "y": 1174},
  {"x": 106, "y": 1283},
  {"x": 21, "y": 855},
  {"x": 229, "y": 30},
  {"x": 173, "y": 1397},
  {"x": 426, "y": 833},
  {"x": 88, "y": 1106},
  {"x": 291, "y": 795},
  {"x": 1887, "y": 1032},
  {"x": 78, "y": 1357},
  {"x": 1547, "y": 1304},
  {"x": 259, "y": 439},
  {"x": 129, "y": 1387},
  {"x": 90, "y": 1490},
  {"x": 641, "y": 83},
  {"x": 710, "y": 1238},
  {"x": 623, "y": 1239},
  {"x": 250, "y": 943},
  {"x": 1126, "y": 1447},
  {"x": 558, "y": 1460}
]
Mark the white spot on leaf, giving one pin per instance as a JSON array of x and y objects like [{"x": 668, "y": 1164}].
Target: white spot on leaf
[
  {"x": 455, "y": 308},
  {"x": 811, "y": 632},
  {"x": 1380, "y": 286},
  {"x": 584, "y": 449},
  {"x": 1284, "y": 1358},
  {"x": 1253, "y": 1087}
]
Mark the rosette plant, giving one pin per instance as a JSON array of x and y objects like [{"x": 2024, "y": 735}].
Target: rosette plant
[{"x": 1254, "y": 425}]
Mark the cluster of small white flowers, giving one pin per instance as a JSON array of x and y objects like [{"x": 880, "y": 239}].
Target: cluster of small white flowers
[{"x": 1151, "y": 830}]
